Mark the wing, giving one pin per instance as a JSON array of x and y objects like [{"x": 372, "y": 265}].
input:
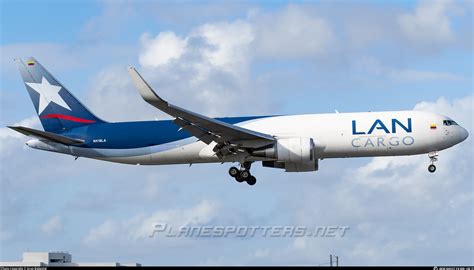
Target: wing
[
  {"x": 47, "y": 135},
  {"x": 227, "y": 136}
]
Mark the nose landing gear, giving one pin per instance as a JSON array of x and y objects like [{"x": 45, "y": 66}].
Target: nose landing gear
[
  {"x": 243, "y": 174},
  {"x": 433, "y": 158}
]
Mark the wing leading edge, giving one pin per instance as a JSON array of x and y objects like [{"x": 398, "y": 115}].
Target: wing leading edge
[{"x": 229, "y": 138}]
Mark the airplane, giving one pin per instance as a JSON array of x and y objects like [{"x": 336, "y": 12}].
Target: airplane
[{"x": 294, "y": 143}]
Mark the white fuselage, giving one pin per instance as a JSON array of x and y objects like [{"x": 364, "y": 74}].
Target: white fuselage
[{"x": 336, "y": 135}]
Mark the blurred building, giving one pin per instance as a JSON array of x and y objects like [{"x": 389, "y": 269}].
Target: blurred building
[{"x": 57, "y": 259}]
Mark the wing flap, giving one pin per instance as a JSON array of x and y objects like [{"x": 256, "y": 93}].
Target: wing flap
[
  {"x": 203, "y": 135},
  {"x": 46, "y": 135}
]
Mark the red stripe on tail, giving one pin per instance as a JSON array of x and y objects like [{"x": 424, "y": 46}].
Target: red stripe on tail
[{"x": 67, "y": 117}]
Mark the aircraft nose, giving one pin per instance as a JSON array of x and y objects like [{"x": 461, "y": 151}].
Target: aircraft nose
[{"x": 463, "y": 134}]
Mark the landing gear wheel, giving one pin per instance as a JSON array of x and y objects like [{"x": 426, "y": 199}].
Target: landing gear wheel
[
  {"x": 252, "y": 180},
  {"x": 244, "y": 175},
  {"x": 233, "y": 171},
  {"x": 239, "y": 179},
  {"x": 432, "y": 168},
  {"x": 433, "y": 158}
]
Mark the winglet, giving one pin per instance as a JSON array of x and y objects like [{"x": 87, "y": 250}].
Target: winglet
[{"x": 145, "y": 90}]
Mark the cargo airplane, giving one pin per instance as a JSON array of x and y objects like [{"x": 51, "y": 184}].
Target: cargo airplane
[{"x": 294, "y": 143}]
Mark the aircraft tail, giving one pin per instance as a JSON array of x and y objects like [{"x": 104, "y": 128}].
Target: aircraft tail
[{"x": 57, "y": 108}]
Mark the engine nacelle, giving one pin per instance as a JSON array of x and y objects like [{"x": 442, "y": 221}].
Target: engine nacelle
[
  {"x": 293, "y": 167},
  {"x": 291, "y": 150}
]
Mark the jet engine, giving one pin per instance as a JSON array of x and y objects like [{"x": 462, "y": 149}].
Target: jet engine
[{"x": 292, "y": 154}]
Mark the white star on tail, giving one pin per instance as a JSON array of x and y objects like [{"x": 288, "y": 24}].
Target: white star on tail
[{"x": 48, "y": 93}]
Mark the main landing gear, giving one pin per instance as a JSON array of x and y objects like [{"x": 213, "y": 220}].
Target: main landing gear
[
  {"x": 433, "y": 158},
  {"x": 243, "y": 174}
]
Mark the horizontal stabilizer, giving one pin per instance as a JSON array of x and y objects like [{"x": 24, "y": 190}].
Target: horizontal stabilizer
[{"x": 47, "y": 135}]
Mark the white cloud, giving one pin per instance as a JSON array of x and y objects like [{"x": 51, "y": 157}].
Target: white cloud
[
  {"x": 113, "y": 97},
  {"x": 222, "y": 45},
  {"x": 375, "y": 67},
  {"x": 105, "y": 230},
  {"x": 293, "y": 33},
  {"x": 429, "y": 23},
  {"x": 161, "y": 49},
  {"x": 289, "y": 33},
  {"x": 139, "y": 227},
  {"x": 31, "y": 122},
  {"x": 52, "y": 226},
  {"x": 211, "y": 65},
  {"x": 228, "y": 45},
  {"x": 299, "y": 243},
  {"x": 201, "y": 213},
  {"x": 10, "y": 139},
  {"x": 460, "y": 109},
  {"x": 211, "y": 62}
]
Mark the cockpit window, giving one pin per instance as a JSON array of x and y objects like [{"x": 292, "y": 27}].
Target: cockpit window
[{"x": 449, "y": 123}]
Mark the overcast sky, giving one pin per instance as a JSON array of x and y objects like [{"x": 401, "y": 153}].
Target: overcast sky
[{"x": 230, "y": 59}]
